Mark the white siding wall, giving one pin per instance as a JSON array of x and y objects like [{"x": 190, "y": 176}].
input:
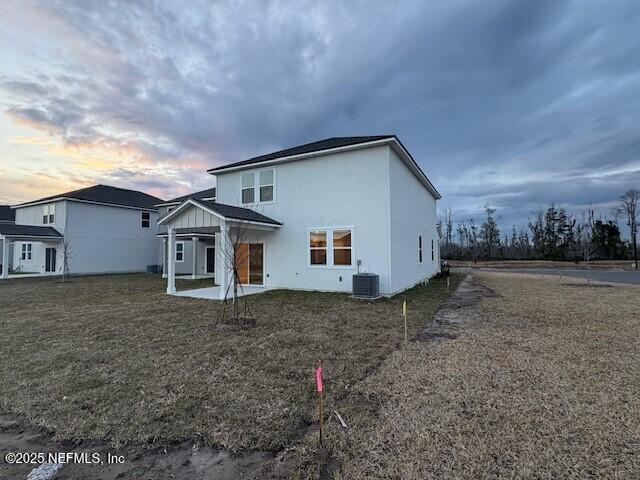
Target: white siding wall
[
  {"x": 345, "y": 189},
  {"x": 110, "y": 239},
  {"x": 33, "y": 216},
  {"x": 413, "y": 213}
]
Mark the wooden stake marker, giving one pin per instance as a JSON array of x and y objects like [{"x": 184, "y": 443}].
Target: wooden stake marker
[
  {"x": 404, "y": 314},
  {"x": 319, "y": 388}
]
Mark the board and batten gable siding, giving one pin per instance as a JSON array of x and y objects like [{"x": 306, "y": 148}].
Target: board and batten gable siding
[
  {"x": 342, "y": 190},
  {"x": 413, "y": 213},
  {"x": 194, "y": 217},
  {"x": 105, "y": 239}
]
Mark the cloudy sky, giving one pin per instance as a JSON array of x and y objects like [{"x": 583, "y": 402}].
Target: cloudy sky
[{"x": 515, "y": 103}]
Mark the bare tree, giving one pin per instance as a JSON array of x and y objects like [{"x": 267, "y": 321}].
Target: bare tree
[
  {"x": 67, "y": 253},
  {"x": 234, "y": 256},
  {"x": 629, "y": 207}
]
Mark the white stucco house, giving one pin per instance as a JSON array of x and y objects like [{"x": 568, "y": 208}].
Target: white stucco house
[
  {"x": 313, "y": 216},
  {"x": 107, "y": 229}
]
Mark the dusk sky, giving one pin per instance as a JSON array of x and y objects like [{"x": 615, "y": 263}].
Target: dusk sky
[{"x": 515, "y": 103}]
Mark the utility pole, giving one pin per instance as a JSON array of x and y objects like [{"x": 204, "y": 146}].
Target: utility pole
[{"x": 634, "y": 233}]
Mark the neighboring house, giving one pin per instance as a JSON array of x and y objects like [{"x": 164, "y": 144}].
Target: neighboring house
[
  {"x": 318, "y": 213},
  {"x": 107, "y": 230},
  {"x": 195, "y": 251},
  {"x": 7, "y": 216}
]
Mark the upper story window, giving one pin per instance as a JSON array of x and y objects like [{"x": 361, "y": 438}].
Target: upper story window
[
  {"x": 331, "y": 247},
  {"x": 420, "y": 248},
  {"x": 257, "y": 187},
  {"x": 146, "y": 220},
  {"x": 49, "y": 214},
  {"x": 433, "y": 253}
]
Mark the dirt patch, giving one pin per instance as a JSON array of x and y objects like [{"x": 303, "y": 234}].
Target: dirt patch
[
  {"x": 456, "y": 312},
  {"x": 186, "y": 459},
  {"x": 587, "y": 285}
]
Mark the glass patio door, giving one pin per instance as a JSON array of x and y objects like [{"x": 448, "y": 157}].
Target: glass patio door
[{"x": 250, "y": 263}]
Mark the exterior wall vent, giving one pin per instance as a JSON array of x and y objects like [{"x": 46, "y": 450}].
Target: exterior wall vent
[{"x": 366, "y": 285}]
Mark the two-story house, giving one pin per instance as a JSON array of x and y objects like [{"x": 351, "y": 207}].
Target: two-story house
[
  {"x": 102, "y": 229},
  {"x": 312, "y": 216}
]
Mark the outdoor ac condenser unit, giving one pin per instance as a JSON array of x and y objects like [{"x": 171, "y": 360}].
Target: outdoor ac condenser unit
[{"x": 365, "y": 285}]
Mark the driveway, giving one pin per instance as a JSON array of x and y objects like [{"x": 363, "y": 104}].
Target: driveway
[{"x": 616, "y": 276}]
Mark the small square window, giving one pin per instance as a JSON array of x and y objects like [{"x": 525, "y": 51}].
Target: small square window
[
  {"x": 248, "y": 195},
  {"x": 266, "y": 193}
]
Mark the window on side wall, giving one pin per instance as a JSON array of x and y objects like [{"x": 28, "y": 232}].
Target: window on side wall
[
  {"x": 146, "y": 219},
  {"x": 48, "y": 214},
  {"x": 318, "y": 247},
  {"x": 420, "y": 248},
  {"x": 433, "y": 255},
  {"x": 342, "y": 247},
  {"x": 179, "y": 251}
]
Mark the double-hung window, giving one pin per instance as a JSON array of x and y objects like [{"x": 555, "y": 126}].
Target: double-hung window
[
  {"x": 26, "y": 251},
  {"x": 257, "y": 187},
  {"x": 146, "y": 219},
  {"x": 49, "y": 214},
  {"x": 331, "y": 247},
  {"x": 179, "y": 251},
  {"x": 420, "y": 248},
  {"x": 318, "y": 247}
]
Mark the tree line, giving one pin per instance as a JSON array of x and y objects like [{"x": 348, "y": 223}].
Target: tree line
[{"x": 551, "y": 233}]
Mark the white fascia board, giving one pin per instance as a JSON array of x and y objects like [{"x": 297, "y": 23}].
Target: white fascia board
[
  {"x": 69, "y": 199},
  {"x": 300, "y": 156}
]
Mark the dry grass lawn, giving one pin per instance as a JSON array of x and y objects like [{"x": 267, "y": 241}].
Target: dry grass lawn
[
  {"x": 546, "y": 387},
  {"x": 114, "y": 358}
]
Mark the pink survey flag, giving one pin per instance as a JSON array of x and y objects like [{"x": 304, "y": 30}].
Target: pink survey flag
[{"x": 319, "y": 379}]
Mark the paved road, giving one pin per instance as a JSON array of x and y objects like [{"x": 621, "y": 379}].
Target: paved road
[{"x": 618, "y": 276}]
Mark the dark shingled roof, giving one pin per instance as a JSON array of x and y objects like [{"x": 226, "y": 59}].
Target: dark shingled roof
[
  {"x": 6, "y": 214},
  {"x": 238, "y": 213},
  {"x": 326, "y": 144},
  {"x": 209, "y": 193},
  {"x": 106, "y": 194},
  {"x": 28, "y": 230}
]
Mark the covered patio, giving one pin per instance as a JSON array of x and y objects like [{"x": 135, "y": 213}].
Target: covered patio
[
  {"x": 230, "y": 228},
  {"x": 44, "y": 258}
]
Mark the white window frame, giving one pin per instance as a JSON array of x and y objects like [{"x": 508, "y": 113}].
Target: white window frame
[
  {"x": 182, "y": 252},
  {"x": 48, "y": 213},
  {"x": 256, "y": 186},
  {"x": 329, "y": 230},
  {"x": 142, "y": 219},
  {"x": 420, "y": 249},
  {"x": 26, "y": 252}
]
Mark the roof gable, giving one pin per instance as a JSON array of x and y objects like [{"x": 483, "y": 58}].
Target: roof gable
[{"x": 201, "y": 195}]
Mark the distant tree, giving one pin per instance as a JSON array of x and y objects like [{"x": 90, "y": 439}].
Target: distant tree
[
  {"x": 489, "y": 232},
  {"x": 628, "y": 206},
  {"x": 606, "y": 238}
]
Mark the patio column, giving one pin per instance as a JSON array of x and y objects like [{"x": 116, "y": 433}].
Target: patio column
[
  {"x": 5, "y": 257},
  {"x": 171, "y": 261},
  {"x": 223, "y": 255},
  {"x": 194, "y": 270},
  {"x": 164, "y": 258}
]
